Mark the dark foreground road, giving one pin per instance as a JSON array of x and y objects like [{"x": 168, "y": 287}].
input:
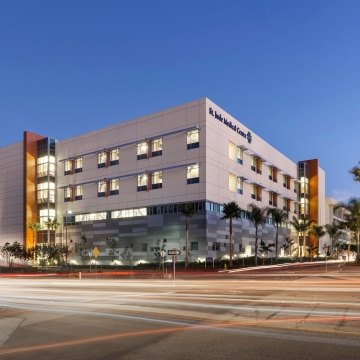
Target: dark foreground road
[{"x": 291, "y": 314}]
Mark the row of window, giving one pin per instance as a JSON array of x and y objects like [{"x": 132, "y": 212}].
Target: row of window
[
  {"x": 236, "y": 153},
  {"x": 145, "y": 181},
  {"x": 145, "y": 150},
  {"x": 236, "y": 184}
]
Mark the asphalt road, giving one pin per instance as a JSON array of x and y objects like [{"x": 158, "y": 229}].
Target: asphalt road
[{"x": 300, "y": 312}]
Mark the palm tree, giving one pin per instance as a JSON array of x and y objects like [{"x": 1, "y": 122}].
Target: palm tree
[
  {"x": 257, "y": 216},
  {"x": 333, "y": 230},
  {"x": 231, "y": 210},
  {"x": 355, "y": 171},
  {"x": 51, "y": 225},
  {"x": 301, "y": 227},
  {"x": 317, "y": 231},
  {"x": 35, "y": 227},
  {"x": 278, "y": 216},
  {"x": 352, "y": 218},
  {"x": 188, "y": 211}
]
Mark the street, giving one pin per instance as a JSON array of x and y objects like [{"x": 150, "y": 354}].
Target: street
[{"x": 296, "y": 313}]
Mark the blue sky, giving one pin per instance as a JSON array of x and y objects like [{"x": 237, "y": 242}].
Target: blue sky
[{"x": 289, "y": 70}]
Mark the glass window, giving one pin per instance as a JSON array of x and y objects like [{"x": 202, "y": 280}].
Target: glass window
[
  {"x": 193, "y": 139},
  {"x": 118, "y": 214},
  {"x": 114, "y": 186},
  {"x": 193, "y": 174},
  {"x": 142, "y": 150},
  {"x": 67, "y": 167},
  {"x": 78, "y": 192},
  {"x": 90, "y": 217},
  {"x": 156, "y": 180},
  {"x": 142, "y": 183},
  {"x": 239, "y": 155},
  {"x": 232, "y": 182},
  {"x": 78, "y": 164},
  {"x": 239, "y": 185},
  {"x": 114, "y": 157},
  {"x": 102, "y": 185},
  {"x": 194, "y": 246},
  {"x": 232, "y": 151},
  {"x": 101, "y": 159},
  {"x": 156, "y": 147},
  {"x": 67, "y": 194}
]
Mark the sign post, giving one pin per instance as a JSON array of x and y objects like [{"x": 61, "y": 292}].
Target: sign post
[
  {"x": 162, "y": 254},
  {"x": 174, "y": 253},
  {"x": 95, "y": 253}
]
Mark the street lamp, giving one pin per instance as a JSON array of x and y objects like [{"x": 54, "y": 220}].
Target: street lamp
[{"x": 67, "y": 212}]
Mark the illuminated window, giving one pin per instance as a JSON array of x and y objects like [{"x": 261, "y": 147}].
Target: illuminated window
[
  {"x": 102, "y": 184},
  {"x": 114, "y": 157},
  {"x": 256, "y": 192},
  {"x": 142, "y": 182},
  {"x": 90, "y": 217},
  {"x": 142, "y": 150},
  {"x": 193, "y": 139},
  {"x": 67, "y": 167},
  {"x": 232, "y": 182},
  {"x": 156, "y": 180},
  {"x": 78, "y": 192},
  {"x": 232, "y": 151},
  {"x": 78, "y": 163},
  {"x": 256, "y": 164},
  {"x": 68, "y": 194},
  {"x": 127, "y": 213},
  {"x": 193, "y": 174},
  {"x": 101, "y": 159},
  {"x": 114, "y": 186},
  {"x": 156, "y": 147}
]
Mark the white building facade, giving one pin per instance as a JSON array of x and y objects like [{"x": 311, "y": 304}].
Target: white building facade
[{"x": 122, "y": 188}]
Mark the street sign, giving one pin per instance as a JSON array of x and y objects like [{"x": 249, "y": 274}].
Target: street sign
[
  {"x": 174, "y": 252},
  {"x": 162, "y": 253},
  {"x": 96, "y": 252}
]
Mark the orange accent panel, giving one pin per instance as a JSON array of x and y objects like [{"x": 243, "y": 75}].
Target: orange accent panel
[
  {"x": 313, "y": 166},
  {"x": 30, "y": 198}
]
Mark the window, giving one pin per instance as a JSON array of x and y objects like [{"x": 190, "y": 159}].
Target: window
[
  {"x": 256, "y": 192},
  {"x": 142, "y": 183},
  {"x": 232, "y": 151},
  {"x": 101, "y": 157},
  {"x": 156, "y": 147},
  {"x": 114, "y": 186},
  {"x": 239, "y": 155},
  {"x": 144, "y": 247},
  {"x": 193, "y": 174},
  {"x": 192, "y": 139},
  {"x": 67, "y": 167},
  {"x": 216, "y": 246},
  {"x": 142, "y": 150},
  {"x": 78, "y": 165},
  {"x": 232, "y": 182},
  {"x": 114, "y": 157},
  {"x": 78, "y": 192},
  {"x": 156, "y": 180},
  {"x": 239, "y": 185},
  {"x": 46, "y": 192},
  {"x": 194, "y": 246},
  {"x": 286, "y": 205},
  {"x": 102, "y": 188},
  {"x": 68, "y": 194},
  {"x": 286, "y": 181},
  {"x": 90, "y": 217},
  {"x": 128, "y": 213},
  {"x": 256, "y": 164},
  {"x": 272, "y": 199}
]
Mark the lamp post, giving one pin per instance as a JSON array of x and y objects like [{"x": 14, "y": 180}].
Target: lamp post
[{"x": 67, "y": 212}]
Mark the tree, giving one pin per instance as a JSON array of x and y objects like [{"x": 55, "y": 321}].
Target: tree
[
  {"x": 188, "y": 211},
  {"x": 333, "y": 230},
  {"x": 257, "y": 216},
  {"x": 278, "y": 216},
  {"x": 301, "y": 227},
  {"x": 51, "y": 225},
  {"x": 355, "y": 171},
  {"x": 265, "y": 248},
  {"x": 231, "y": 210},
  {"x": 286, "y": 246},
  {"x": 127, "y": 256},
  {"x": 352, "y": 218},
  {"x": 35, "y": 227},
  {"x": 113, "y": 251},
  {"x": 157, "y": 253},
  {"x": 318, "y": 232}
]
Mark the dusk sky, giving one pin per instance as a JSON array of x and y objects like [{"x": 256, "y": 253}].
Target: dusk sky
[{"x": 289, "y": 70}]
